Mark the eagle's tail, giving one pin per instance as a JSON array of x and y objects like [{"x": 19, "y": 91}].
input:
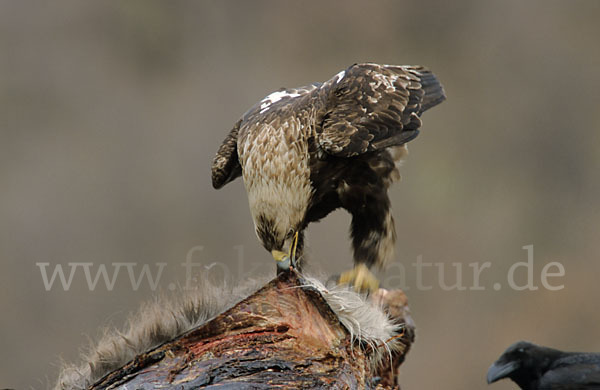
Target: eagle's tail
[{"x": 434, "y": 92}]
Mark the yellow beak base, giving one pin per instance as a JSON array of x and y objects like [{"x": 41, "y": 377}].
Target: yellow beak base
[{"x": 283, "y": 260}]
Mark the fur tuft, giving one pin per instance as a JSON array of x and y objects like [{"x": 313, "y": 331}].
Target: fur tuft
[
  {"x": 166, "y": 318},
  {"x": 156, "y": 322},
  {"x": 364, "y": 319}
]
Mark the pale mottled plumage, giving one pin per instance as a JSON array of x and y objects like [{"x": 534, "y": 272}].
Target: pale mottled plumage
[{"x": 303, "y": 152}]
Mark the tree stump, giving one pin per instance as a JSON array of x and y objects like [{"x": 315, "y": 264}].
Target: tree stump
[{"x": 285, "y": 335}]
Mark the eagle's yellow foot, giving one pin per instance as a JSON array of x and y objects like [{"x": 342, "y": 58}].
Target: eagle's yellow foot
[{"x": 360, "y": 278}]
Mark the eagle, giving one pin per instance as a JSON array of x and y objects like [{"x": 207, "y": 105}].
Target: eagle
[{"x": 304, "y": 152}]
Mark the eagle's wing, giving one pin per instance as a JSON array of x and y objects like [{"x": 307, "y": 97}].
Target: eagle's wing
[
  {"x": 370, "y": 107},
  {"x": 226, "y": 166}
]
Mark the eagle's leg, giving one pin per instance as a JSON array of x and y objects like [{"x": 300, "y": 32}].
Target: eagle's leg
[
  {"x": 361, "y": 278},
  {"x": 373, "y": 238}
]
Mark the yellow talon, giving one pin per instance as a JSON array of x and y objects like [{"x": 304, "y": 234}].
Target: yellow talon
[{"x": 360, "y": 278}]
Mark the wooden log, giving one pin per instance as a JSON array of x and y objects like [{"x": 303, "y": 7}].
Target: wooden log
[{"x": 283, "y": 336}]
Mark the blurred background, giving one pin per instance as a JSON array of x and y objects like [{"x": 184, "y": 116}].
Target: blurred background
[{"x": 111, "y": 112}]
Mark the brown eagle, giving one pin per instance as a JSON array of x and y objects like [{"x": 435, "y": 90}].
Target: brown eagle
[{"x": 304, "y": 152}]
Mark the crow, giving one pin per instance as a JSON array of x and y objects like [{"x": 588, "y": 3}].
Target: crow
[{"x": 535, "y": 367}]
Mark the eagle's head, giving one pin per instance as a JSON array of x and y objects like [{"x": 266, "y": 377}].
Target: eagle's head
[
  {"x": 278, "y": 208},
  {"x": 276, "y": 227}
]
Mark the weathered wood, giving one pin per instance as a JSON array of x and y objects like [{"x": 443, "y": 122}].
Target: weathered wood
[{"x": 283, "y": 336}]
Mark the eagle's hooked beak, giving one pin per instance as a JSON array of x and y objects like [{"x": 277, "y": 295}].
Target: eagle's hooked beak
[
  {"x": 282, "y": 259},
  {"x": 286, "y": 260}
]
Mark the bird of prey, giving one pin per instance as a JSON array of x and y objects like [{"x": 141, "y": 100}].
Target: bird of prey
[
  {"x": 533, "y": 367},
  {"x": 304, "y": 152}
]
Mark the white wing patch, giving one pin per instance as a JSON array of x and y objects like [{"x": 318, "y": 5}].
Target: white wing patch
[
  {"x": 340, "y": 76},
  {"x": 265, "y": 104},
  {"x": 387, "y": 81}
]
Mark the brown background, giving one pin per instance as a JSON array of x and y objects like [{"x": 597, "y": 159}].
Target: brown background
[{"x": 110, "y": 113}]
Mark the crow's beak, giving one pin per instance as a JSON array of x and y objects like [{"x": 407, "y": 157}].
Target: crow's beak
[{"x": 499, "y": 370}]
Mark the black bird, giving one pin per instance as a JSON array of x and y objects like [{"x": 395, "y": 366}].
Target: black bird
[{"x": 533, "y": 367}]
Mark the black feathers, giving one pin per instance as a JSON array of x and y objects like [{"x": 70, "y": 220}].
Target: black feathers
[
  {"x": 533, "y": 367},
  {"x": 226, "y": 166},
  {"x": 370, "y": 107}
]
